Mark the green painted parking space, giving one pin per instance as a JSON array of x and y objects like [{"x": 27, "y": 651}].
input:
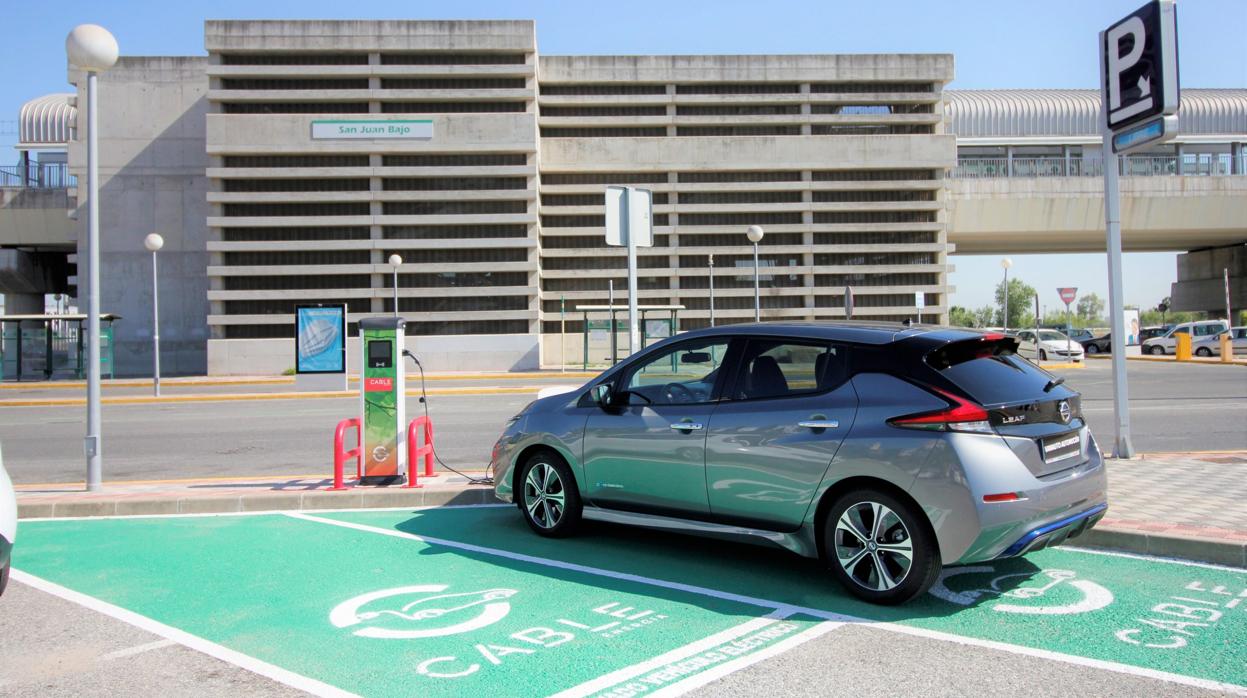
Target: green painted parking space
[
  {"x": 1182, "y": 619},
  {"x": 378, "y": 615},
  {"x": 456, "y": 600}
]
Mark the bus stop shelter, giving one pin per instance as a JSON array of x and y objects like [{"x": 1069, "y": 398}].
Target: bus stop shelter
[
  {"x": 606, "y": 330},
  {"x": 47, "y": 347}
]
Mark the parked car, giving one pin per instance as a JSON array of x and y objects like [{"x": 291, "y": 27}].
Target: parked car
[
  {"x": 1051, "y": 344},
  {"x": 887, "y": 451},
  {"x": 1098, "y": 345},
  {"x": 1238, "y": 342},
  {"x": 1198, "y": 331},
  {"x": 8, "y": 524},
  {"x": 1148, "y": 332},
  {"x": 1080, "y": 334}
]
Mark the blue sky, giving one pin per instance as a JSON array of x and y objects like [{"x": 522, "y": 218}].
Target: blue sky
[{"x": 996, "y": 44}]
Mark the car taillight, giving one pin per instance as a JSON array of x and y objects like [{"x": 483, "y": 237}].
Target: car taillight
[{"x": 961, "y": 415}]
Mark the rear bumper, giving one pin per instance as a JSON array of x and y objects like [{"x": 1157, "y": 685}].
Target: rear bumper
[{"x": 1056, "y": 532}]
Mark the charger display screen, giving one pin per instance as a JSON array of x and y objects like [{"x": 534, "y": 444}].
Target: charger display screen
[{"x": 380, "y": 353}]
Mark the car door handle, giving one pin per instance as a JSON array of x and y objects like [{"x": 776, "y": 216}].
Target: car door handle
[
  {"x": 819, "y": 424},
  {"x": 687, "y": 426}
]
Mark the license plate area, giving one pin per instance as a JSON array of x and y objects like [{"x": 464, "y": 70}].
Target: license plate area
[{"x": 1061, "y": 447}]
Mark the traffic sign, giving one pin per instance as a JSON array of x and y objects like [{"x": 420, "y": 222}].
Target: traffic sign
[
  {"x": 629, "y": 210},
  {"x": 1144, "y": 135},
  {"x": 1068, "y": 294},
  {"x": 1140, "y": 55}
]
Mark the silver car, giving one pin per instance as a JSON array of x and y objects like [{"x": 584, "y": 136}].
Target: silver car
[{"x": 883, "y": 450}]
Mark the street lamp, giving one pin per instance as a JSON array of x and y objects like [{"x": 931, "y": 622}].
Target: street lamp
[
  {"x": 91, "y": 48},
  {"x": 395, "y": 263},
  {"x": 755, "y": 236},
  {"x": 1005, "y": 264},
  {"x": 712, "y": 290},
  {"x": 153, "y": 243}
]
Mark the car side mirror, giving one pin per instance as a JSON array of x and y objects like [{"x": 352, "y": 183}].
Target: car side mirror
[{"x": 602, "y": 395}]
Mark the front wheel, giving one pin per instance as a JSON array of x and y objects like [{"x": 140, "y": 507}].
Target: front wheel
[
  {"x": 878, "y": 548},
  {"x": 1043, "y": 355},
  {"x": 1156, "y": 350},
  {"x": 548, "y": 496},
  {"x": 1203, "y": 351},
  {"x": 4, "y": 576}
]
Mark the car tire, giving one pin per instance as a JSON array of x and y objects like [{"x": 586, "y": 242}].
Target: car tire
[
  {"x": 4, "y": 576},
  {"x": 857, "y": 566},
  {"x": 1092, "y": 349},
  {"x": 1203, "y": 351},
  {"x": 1154, "y": 350},
  {"x": 548, "y": 497},
  {"x": 1043, "y": 355}
]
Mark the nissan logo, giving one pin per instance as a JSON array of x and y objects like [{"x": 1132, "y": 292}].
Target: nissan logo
[{"x": 1063, "y": 408}]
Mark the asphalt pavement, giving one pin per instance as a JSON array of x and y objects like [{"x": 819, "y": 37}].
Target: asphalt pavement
[{"x": 1174, "y": 407}]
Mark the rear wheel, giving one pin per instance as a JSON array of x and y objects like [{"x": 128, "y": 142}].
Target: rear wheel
[
  {"x": 878, "y": 548},
  {"x": 4, "y": 576},
  {"x": 548, "y": 496},
  {"x": 1203, "y": 351},
  {"x": 1092, "y": 349}
]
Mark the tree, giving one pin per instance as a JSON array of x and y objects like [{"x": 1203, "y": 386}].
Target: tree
[
  {"x": 1021, "y": 303},
  {"x": 985, "y": 316},
  {"x": 961, "y": 317},
  {"x": 1090, "y": 308}
]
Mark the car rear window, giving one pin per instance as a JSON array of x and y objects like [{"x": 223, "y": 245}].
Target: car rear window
[{"x": 990, "y": 373}]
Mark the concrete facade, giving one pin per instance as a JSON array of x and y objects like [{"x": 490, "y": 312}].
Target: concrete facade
[
  {"x": 152, "y": 164},
  {"x": 1201, "y": 280}
]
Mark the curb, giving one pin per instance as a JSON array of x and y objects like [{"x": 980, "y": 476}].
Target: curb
[
  {"x": 1213, "y": 361},
  {"x": 233, "y": 397},
  {"x": 1108, "y": 537},
  {"x": 281, "y": 380},
  {"x": 1164, "y": 545},
  {"x": 356, "y": 498}
]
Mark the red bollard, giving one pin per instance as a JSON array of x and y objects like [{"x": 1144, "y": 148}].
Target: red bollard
[
  {"x": 414, "y": 453},
  {"x": 339, "y": 456}
]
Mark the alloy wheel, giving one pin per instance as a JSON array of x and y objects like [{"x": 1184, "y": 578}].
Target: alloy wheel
[
  {"x": 544, "y": 495},
  {"x": 873, "y": 546}
]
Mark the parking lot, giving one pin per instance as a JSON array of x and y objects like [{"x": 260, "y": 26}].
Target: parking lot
[{"x": 467, "y": 601}]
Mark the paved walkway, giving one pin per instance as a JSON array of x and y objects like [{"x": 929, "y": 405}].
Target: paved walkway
[{"x": 1190, "y": 505}]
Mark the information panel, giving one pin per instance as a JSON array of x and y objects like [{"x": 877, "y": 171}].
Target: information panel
[{"x": 320, "y": 342}]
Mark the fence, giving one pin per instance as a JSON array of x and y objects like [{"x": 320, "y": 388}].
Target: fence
[
  {"x": 1196, "y": 164},
  {"x": 38, "y": 176}
]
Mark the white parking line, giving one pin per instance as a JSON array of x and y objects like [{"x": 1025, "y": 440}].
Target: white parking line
[
  {"x": 788, "y": 608},
  {"x": 137, "y": 649},
  {"x": 184, "y": 638}
]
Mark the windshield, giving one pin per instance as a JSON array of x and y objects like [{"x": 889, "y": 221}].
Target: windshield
[
  {"x": 1051, "y": 336},
  {"x": 992, "y": 374}
]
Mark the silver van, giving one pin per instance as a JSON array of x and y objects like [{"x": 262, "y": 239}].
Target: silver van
[{"x": 1198, "y": 330}]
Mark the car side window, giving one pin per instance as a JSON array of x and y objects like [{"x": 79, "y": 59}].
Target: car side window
[
  {"x": 684, "y": 374},
  {"x": 778, "y": 368}
]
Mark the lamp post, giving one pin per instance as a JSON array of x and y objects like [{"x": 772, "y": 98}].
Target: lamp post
[
  {"x": 395, "y": 263},
  {"x": 1005, "y": 264},
  {"x": 91, "y": 48},
  {"x": 153, "y": 243},
  {"x": 755, "y": 236},
  {"x": 712, "y": 290}
]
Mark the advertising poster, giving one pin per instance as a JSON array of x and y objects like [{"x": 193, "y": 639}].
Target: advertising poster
[
  {"x": 1131, "y": 316},
  {"x": 320, "y": 342}
]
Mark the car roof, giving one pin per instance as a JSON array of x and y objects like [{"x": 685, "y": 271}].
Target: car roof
[{"x": 857, "y": 331}]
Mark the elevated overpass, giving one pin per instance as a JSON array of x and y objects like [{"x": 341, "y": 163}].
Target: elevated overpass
[{"x": 1029, "y": 179}]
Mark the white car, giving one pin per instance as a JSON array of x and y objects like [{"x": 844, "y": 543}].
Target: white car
[
  {"x": 1200, "y": 331},
  {"x": 1051, "y": 345},
  {"x": 1238, "y": 343},
  {"x": 8, "y": 523}
]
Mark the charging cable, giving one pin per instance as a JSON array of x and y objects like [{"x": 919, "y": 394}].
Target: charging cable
[{"x": 424, "y": 401}]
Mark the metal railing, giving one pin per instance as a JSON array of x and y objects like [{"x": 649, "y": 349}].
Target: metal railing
[
  {"x": 1197, "y": 164},
  {"x": 38, "y": 176}
]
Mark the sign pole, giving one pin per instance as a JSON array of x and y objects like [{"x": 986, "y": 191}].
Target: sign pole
[
  {"x": 562, "y": 333},
  {"x": 1229, "y": 319},
  {"x": 610, "y": 303},
  {"x": 1122, "y": 446},
  {"x": 634, "y": 334}
]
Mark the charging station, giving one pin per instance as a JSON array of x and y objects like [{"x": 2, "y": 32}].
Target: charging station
[{"x": 382, "y": 398}]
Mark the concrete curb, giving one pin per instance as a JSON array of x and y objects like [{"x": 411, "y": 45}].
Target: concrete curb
[
  {"x": 1171, "y": 360},
  {"x": 1164, "y": 545},
  {"x": 232, "y": 397},
  {"x": 280, "y": 380},
  {"x": 1104, "y": 537},
  {"x": 357, "y": 498}
]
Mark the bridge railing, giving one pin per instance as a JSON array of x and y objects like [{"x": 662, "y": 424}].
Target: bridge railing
[
  {"x": 1195, "y": 164},
  {"x": 38, "y": 176}
]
